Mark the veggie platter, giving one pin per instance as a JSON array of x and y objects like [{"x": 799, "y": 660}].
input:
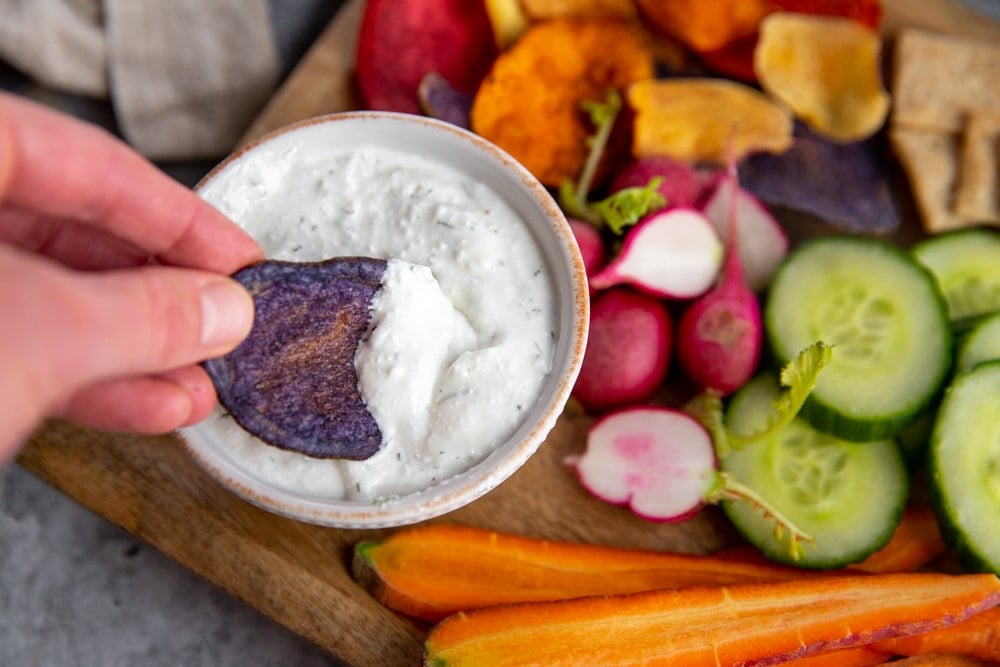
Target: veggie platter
[{"x": 680, "y": 565}]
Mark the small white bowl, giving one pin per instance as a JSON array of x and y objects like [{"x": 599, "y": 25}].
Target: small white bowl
[{"x": 484, "y": 162}]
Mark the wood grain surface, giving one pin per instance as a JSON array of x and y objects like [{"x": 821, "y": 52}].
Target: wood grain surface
[{"x": 299, "y": 574}]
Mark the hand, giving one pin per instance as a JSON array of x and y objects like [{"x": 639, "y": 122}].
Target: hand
[{"x": 112, "y": 282}]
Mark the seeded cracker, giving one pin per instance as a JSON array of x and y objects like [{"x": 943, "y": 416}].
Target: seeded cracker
[
  {"x": 939, "y": 79},
  {"x": 977, "y": 192},
  {"x": 944, "y": 89}
]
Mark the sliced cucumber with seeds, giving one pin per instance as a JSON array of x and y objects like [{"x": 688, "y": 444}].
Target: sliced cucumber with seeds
[
  {"x": 965, "y": 467},
  {"x": 848, "y": 496},
  {"x": 981, "y": 343},
  {"x": 966, "y": 264},
  {"x": 886, "y": 321}
]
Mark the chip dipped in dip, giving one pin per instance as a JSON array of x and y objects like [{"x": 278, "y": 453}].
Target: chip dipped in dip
[{"x": 463, "y": 330}]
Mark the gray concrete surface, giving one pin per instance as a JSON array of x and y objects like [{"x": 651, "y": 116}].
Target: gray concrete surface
[{"x": 76, "y": 591}]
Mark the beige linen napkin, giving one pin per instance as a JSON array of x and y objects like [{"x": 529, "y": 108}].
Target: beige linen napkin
[{"x": 185, "y": 77}]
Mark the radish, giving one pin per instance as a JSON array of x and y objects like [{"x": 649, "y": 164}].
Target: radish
[
  {"x": 661, "y": 463},
  {"x": 591, "y": 245},
  {"x": 681, "y": 183},
  {"x": 763, "y": 241},
  {"x": 628, "y": 350},
  {"x": 673, "y": 254},
  {"x": 720, "y": 335}
]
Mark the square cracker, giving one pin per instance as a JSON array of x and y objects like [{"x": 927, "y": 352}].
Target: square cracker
[
  {"x": 977, "y": 190},
  {"x": 930, "y": 159},
  {"x": 938, "y": 79}
]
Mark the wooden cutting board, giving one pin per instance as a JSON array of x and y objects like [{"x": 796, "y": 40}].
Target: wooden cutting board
[{"x": 299, "y": 574}]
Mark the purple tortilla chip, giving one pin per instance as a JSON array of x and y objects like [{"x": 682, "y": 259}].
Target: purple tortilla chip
[
  {"x": 292, "y": 382},
  {"x": 844, "y": 185}
]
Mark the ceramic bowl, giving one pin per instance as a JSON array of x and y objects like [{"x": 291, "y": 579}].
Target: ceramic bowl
[{"x": 482, "y": 161}]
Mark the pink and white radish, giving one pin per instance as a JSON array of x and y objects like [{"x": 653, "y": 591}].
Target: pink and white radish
[
  {"x": 763, "y": 243},
  {"x": 671, "y": 254},
  {"x": 660, "y": 463},
  {"x": 720, "y": 335},
  {"x": 656, "y": 461},
  {"x": 591, "y": 245},
  {"x": 628, "y": 350},
  {"x": 682, "y": 184}
]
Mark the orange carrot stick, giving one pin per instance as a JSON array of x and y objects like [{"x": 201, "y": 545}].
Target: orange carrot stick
[
  {"x": 977, "y": 637},
  {"x": 721, "y": 625},
  {"x": 856, "y": 656},
  {"x": 432, "y": 571},
  {"x": 915, "y": 541}
]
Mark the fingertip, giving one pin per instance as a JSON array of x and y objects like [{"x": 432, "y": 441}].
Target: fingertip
[
  {"x": 150, "y": 405},
  {"x": 227, "y": 312},
  {"x": 199, "y": 388}
]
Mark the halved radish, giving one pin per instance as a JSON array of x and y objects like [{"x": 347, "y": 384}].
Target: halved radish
[
  {"x": 673, "y": 254},
  {"x": 720, "y": 335},
  {"x": 763, "y": 243},
  {"x": 657, "y": 461},
  {"x": 661, "y": 464}
]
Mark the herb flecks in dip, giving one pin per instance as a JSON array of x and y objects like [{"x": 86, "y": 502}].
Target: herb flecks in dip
[{"x": 460, "y": 343}]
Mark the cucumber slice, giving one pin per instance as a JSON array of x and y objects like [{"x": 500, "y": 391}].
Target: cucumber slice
[
  {"x": 886, "y": 321},
  {"x": 966, "y": 264},
  {"x": 981, "y": 344},
  {"x": 964, "y": 467},
  {"x": 849, "y": 496}
]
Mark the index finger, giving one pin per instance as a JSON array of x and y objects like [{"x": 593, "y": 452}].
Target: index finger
[{"x": 59, "y": 166}]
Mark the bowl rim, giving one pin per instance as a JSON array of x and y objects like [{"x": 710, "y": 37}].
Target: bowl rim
[{"x": 573, "y": 301}]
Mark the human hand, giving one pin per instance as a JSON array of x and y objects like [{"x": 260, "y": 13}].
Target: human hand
[{"x": 112, "y": 282}]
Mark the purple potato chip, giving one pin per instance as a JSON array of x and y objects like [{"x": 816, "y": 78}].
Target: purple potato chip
[
  {"x": 844, "y": 185},
  {"x": 292, "y": 382}
]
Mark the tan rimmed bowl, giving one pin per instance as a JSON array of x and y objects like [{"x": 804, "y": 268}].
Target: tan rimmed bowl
[{"x": 482, "y": 161}]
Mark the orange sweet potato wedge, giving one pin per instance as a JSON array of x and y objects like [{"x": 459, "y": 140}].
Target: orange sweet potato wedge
[
  {"x": 539, "y": 10},
  {"x": 696, "y": 120},
  {"x": 827, "y": 70},
  {"x": 400, "y": 42},
  {"x": 724, "y": 625},
  {"x": 530, "y": 102},
  {"x": 704, "y": 25}
]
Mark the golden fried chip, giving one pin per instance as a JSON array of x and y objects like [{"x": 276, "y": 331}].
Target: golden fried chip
[
  {"x": 696, "y": 119},
  {"x": 939, "y": 79},
  {"x": 538, "y": 10},
  {"x": 827, "y": 70},
  {"x": 530, "y": 102},
  {"x": 977, "y": 191}
]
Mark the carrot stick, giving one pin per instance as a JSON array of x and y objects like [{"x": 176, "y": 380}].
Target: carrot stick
[
  {"x": 432, "y": 571},
  {"x": 856, "y": 656},
  {"x": 977, "y": 637},
  {"x": 915, "y": 541},
  {"x": 720, "y": 625}
]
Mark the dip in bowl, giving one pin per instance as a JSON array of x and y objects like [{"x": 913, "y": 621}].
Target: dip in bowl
[{"x": 476, "y": 336}]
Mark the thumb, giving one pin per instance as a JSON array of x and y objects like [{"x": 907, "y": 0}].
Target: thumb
[
  {"x": 154, "y": 319},
  {"x": 63, "y": 330}
]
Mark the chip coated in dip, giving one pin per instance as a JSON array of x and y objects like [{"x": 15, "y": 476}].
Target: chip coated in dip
[
  {"x": 292, "y": 382},
  {"x": 463, "y": 328}
]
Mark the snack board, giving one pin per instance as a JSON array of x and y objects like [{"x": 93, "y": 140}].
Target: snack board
[{"x": 299, "y": 574}]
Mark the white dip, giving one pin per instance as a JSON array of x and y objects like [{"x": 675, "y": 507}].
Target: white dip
[{"x": 461, "y": 342}]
